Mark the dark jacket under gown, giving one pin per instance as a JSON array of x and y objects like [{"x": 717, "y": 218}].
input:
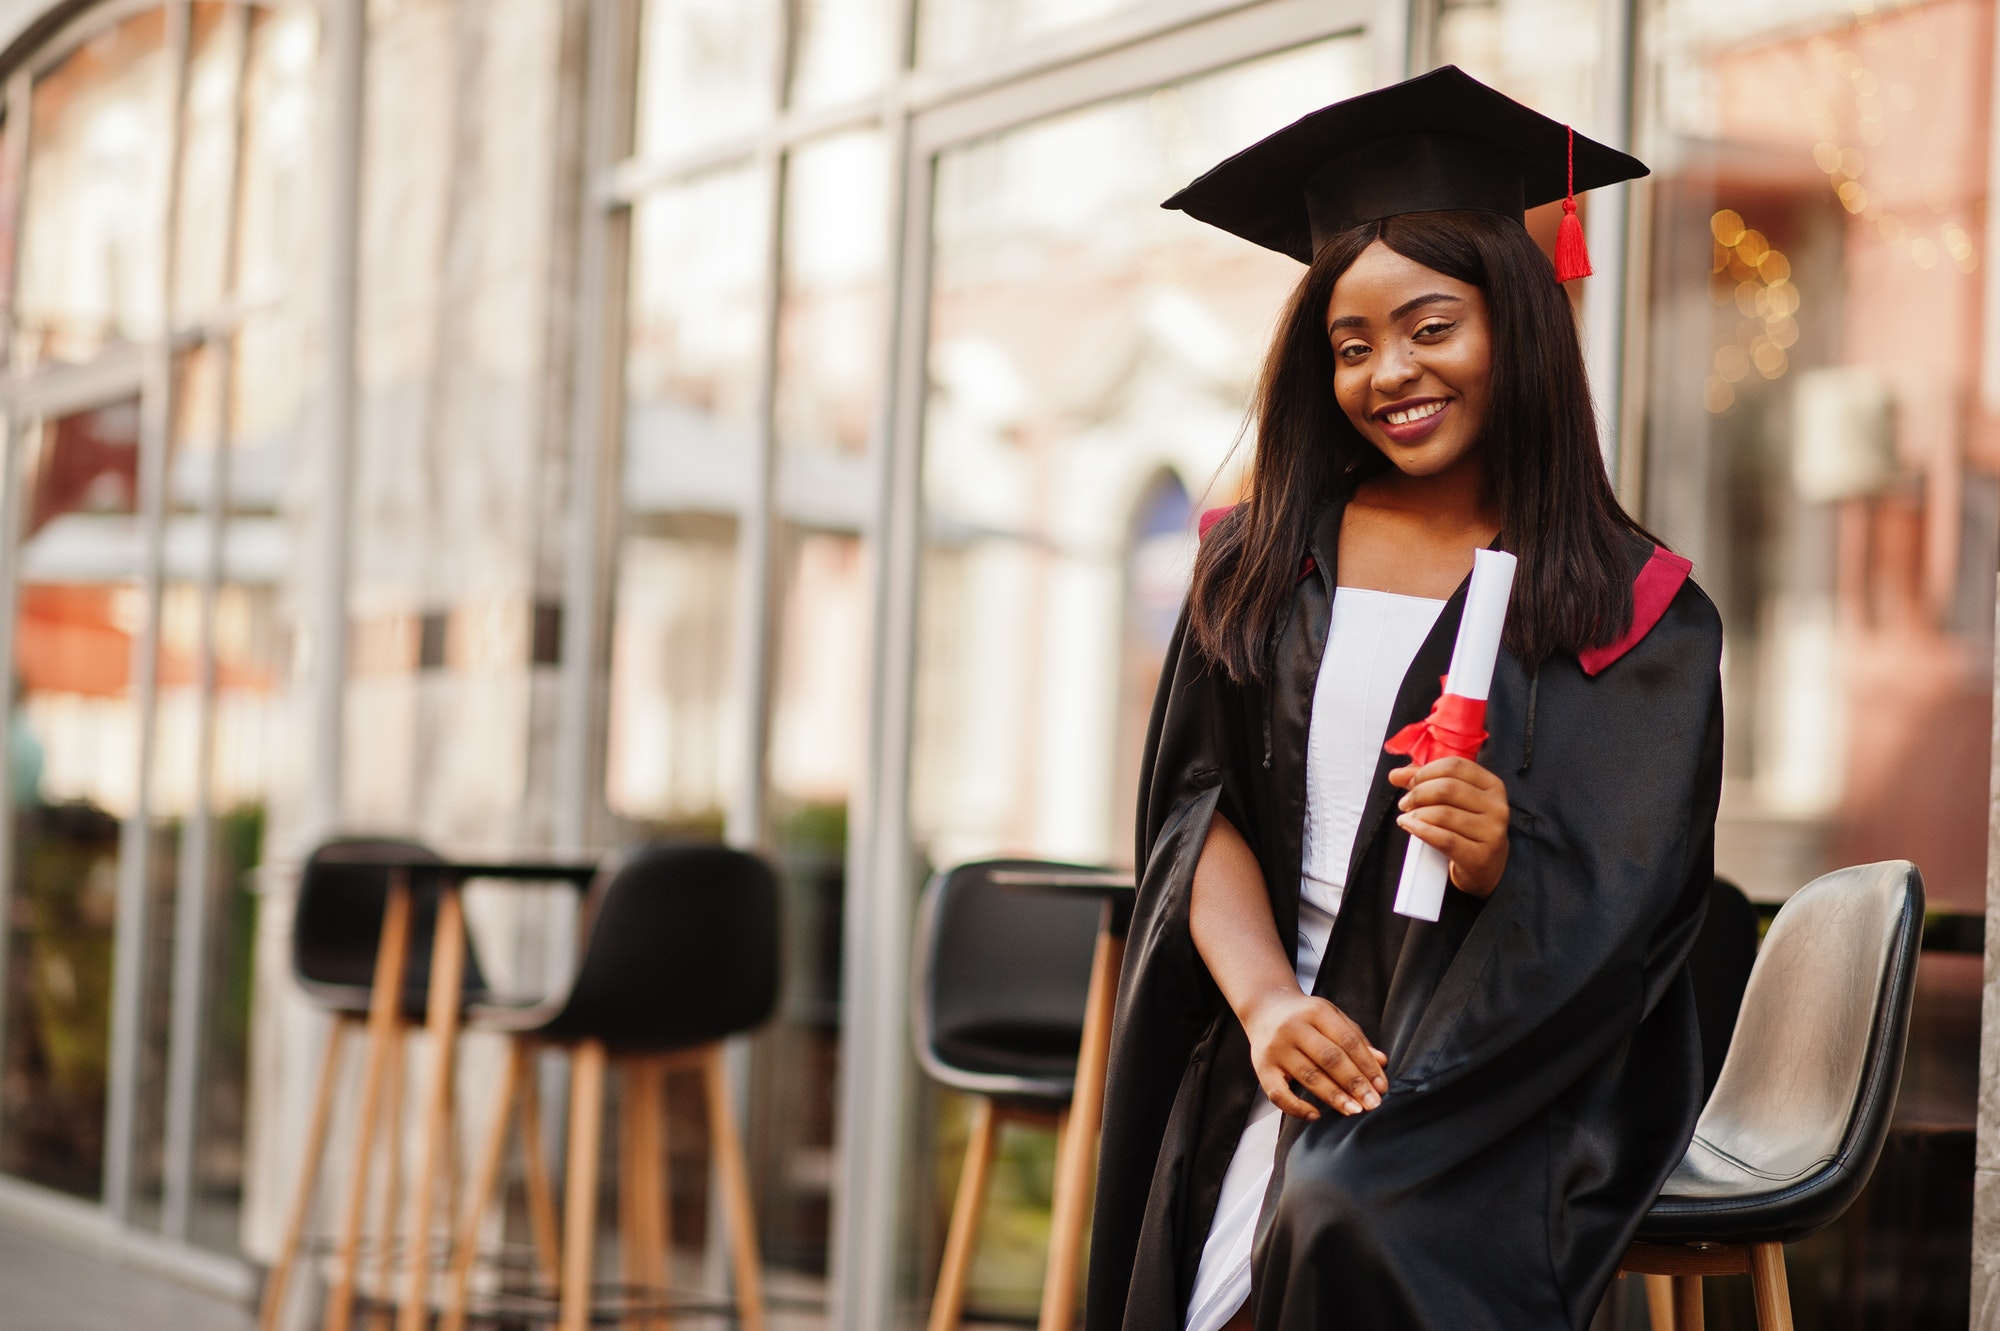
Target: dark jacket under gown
[{"x": 1544, "y": 1067}]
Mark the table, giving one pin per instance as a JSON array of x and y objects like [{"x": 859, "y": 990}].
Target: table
[
  {"x": 407, "y": 877},
  {"x": 1077, "y": 1146}
]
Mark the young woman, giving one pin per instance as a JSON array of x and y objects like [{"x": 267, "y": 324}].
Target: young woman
[{"x": 1322, "y": 1113}]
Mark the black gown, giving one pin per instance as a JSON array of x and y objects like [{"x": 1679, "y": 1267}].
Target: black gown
[{"x": 1545, "y": 1071}]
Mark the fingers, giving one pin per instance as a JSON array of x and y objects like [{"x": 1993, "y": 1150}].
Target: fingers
[
  {"x": 1280, "y": 1094},
  {"x": 1462, "y": 769}
]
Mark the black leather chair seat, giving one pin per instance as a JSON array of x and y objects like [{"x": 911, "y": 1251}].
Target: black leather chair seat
[
  {"x": 337, "y": 926},
  {"x": 1015, "y": 1049},
  {"x": 1800, "y": 1112}
]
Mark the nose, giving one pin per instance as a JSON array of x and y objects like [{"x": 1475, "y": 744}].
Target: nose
[{"x": 1395, "y": 369}]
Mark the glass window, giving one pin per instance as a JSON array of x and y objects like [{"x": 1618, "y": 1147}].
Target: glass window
[
  {"x": 1091, "y": 359},
  {"x": 208, "y": 159},
  {"x": 92, "y": 242},
  {"x": 700, "y": 261},
  {"x": 1544, "y": 53},
  {"x": 275, "y": 189},
  {"x": 841, "y": 49},
  {"x": 831, "y": 341},
  {"x": 707, "y": 69},
  {"x": 676, "y": 696},
  {"x": 953, "y": 31},
  {"x": 72, "y": 748},
  {"x": 1816, "y": 311}
]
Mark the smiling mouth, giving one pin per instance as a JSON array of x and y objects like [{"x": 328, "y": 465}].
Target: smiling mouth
[{"x": 1411, "y": 415}]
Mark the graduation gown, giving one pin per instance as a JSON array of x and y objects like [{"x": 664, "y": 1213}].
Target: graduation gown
[{"x": 1544, "y": 1067}]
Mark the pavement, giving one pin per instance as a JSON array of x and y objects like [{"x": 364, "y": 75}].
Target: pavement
[{"x": 51, "y": 1285}]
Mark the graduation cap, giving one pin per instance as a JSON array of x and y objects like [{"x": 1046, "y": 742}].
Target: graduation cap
[{"x": 1442, "y": 140}]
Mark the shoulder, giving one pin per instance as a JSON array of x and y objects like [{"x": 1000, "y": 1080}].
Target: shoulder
[{"x": 1667, "y": 604}]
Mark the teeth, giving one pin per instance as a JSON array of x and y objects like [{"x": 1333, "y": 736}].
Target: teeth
[{"x": 1414, "y": 413}]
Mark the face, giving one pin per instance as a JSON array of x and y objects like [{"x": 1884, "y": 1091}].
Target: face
[{"x": 1413, "y": 360}]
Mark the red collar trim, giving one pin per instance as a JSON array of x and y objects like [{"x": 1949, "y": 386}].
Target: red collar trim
[{"x": 1652, "y": 592}]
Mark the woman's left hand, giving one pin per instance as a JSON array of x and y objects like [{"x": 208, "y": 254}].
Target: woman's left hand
[{"x": 1459, "y": 807}]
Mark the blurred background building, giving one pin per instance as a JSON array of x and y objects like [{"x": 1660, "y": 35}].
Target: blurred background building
[{"x": 533, "y": 425}]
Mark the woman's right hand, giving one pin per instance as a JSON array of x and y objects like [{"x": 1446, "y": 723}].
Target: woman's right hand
[{"x": 1295, "y": 1037}]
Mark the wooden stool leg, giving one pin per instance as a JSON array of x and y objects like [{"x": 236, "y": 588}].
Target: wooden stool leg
[
  {"x": 1687, "y": 1303},
  {"x": 485, "y": 1181},
  {"x": 642, "y": 1243},
  {"x": 441, "y": 1024},
  {"x": 948, "y": 1303},
  {"x": 586, "y": 1112},
  {"x": 1660, "y": 1301},
  {"x": 541, "y": 1197},
  {"x": 392, "y": 1186},
  {"x": 665, "y": 1122},
  {"x": 384, "y": 1004},
  {"x": 1769, "y": 1288},
  {"x": 1076, "y": 1155},
  {"x": 315, "y": 1145},
  {"x": 735, "y": 1183}
]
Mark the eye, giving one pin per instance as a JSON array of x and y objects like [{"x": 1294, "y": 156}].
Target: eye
[
  {"x": 1351, "y": 352},
  {"x": 1434, "y": 328}
]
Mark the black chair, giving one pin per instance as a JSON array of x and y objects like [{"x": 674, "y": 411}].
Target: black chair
[
  {"x": 1798, "y": 1117},
  {"x": 681, "y": 953},
  {"x": 1001, "y": 977},
  {"x": 1719, "y": 966},
  {"x": 337, "y": 922}
]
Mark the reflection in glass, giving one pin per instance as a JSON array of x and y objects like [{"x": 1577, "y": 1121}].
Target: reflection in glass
[
  {"x": 817, "y": 709},
  {"x": 841, "y": 49},
  {"x": 71, "y": 751},
  {"x": 707, "y": 69},
  {"x": 698, "y": 274},
  {"x": 1544, "y": 53},
  {"x": 96, "y": 189},
  {"x": 1091, "y": 359},
  {"x": 1819, "y": 181},
  {"x": 208, "y": 153},
  {"x": 951, "y": 31},
  {"x": 831, "y": 343},
  {"x": 675, "y": 694}
]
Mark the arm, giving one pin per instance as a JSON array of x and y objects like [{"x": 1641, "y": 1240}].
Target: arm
[{"x": 1293, "y": 1036}]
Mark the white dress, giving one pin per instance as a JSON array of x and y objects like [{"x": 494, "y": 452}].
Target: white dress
[{"x": 1370, "y": 643}]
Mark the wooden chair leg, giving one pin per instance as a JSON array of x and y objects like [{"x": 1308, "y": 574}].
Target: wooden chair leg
[
  {"x": 1769, "y": 1288},
  {"x": 541, "y": 1196},
  {"x": 734, "y": 1180},
  {"x": 441, "y": 1025},
  {"x": 1687, "y": 1303},
  {"x": 276, "y": 1283},
  {"x": 1076, "y": 1154},
  {"x": 384, "y": 1005},
  {"x": 586, "y": 1112},
  {"x": 948, "y": 1303},
  {"x": 642, "y": 1243},
  {"x": 485, "y": 1182},
  {"x": 392, "y": 1185},
  {"x": 1660, "y": 1301}
]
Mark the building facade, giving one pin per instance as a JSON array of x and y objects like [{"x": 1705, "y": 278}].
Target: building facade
[{"x": 536, "y": 425}]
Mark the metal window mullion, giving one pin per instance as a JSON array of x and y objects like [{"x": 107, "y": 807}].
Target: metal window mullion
[
  {"x": 346, "y": 25},
  {"x": 191, "y": 898},
  {"x": 129, "y": 946},
  {"x": 603, "y": 250},
  {"x": 873, "y": 1106}
]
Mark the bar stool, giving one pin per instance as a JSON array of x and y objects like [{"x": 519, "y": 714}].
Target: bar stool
[
  {"x": 1001, "y": 979},
  {"x": 341, "y": 924},
  {"x": 1798, "y": 1117},
  {"x": 681, "y": 954}
]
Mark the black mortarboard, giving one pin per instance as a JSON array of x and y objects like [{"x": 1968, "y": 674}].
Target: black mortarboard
[{"x": 1442, "y": 140}]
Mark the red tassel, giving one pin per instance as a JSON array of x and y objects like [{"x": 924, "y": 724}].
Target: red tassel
[{"x": 1572, "y": 258}]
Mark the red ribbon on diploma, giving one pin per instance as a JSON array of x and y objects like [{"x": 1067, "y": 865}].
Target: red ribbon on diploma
[{"x": 1455, "y": 728}]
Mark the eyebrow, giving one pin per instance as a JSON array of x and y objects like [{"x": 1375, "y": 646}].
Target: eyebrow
[{"x": 1429, "y": 298}]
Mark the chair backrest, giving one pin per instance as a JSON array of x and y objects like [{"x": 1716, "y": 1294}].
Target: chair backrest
[
  {"x": 1719, "y": 967},
  {"x": 1800, "y": 1112},
  {"x": 337, "y": 924},
  {"x": 682, "y": 949},
  {"x": 1001, "y": 977}
]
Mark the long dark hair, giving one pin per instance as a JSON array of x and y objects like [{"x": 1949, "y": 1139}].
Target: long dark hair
[{"x": 1559, "y": 516}]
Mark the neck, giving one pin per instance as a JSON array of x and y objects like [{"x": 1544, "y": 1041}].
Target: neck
[{"x": 1455, "y": 499}]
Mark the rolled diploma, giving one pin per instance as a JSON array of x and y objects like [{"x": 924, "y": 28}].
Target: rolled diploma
[{"x": 1420, "y": 893}]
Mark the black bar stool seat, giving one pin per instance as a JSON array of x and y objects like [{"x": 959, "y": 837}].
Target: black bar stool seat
[{"x": 1801, "y": 1109}]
